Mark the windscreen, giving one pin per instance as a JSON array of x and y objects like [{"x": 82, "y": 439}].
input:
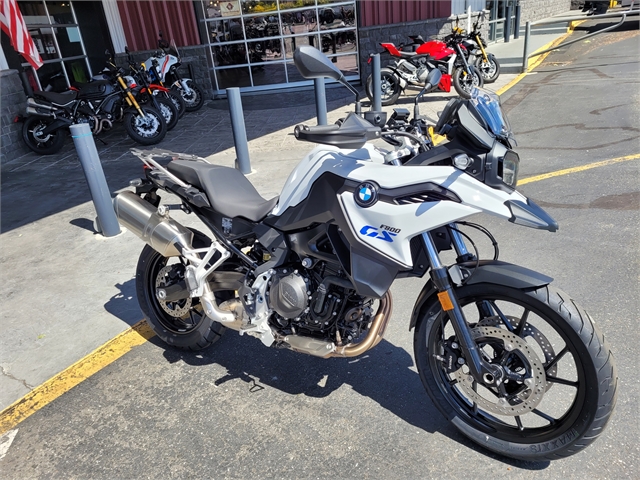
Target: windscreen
[
  {"x": 173, "y": 49},
  {"x": 488, "y": 105}
]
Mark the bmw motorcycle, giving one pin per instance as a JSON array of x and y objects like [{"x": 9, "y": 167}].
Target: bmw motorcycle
[{"x": 513, "y": 362}]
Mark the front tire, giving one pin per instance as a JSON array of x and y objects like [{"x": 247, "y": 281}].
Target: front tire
[
  {"x": 193, "y": 100},
  {"x": 181, "y": 324},
  {"x": 490, "y": 70},
  {"x": 464, "y": 82},
  {"x": 148, "y": 130},
  {"x": 389, "y": 86},
  {"x": 46, "y": 144},
  {"x": 569, "y": 390},
  {"x": 169, "y": 112}
]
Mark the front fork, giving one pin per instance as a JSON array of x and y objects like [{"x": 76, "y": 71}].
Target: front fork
[
  {"x": 482, "y": 371},
  {"x": 131, "y": 100}
]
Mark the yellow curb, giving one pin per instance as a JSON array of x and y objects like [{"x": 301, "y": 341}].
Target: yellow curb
[
  {"x": 581, "y": 168},
  {"x": 534, "y": 63},
  {"x": 75, "y": 374}
]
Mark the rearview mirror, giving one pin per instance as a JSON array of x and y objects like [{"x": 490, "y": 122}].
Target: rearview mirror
[{"x": 311, "y": 63}]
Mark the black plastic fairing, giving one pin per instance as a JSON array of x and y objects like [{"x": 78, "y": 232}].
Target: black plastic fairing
[
  {"x": 353, "y": 133},
  {"x": 530, "y": 215}
]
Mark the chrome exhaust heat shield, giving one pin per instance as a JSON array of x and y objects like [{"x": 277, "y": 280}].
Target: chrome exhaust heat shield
[{"x": 162, "y": 233}]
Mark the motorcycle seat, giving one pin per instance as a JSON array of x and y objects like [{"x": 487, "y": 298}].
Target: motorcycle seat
[
  {"x": 57, "y": 98},
  {"x": 227, "y": 189}
]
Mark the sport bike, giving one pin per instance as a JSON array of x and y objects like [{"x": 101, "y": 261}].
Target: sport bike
[
  {"x": 414, "y": 61},
  {"x": 486, "y": 63},
  {"x": 510, "y": 360}
]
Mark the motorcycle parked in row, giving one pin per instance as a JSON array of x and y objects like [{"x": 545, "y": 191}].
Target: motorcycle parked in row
[
  {"x": 475, "y": 47},
  {"x": 415, "y": 63},
  {"x": 167, "y": 72},
  {"x": 99, "y": 103},
  {"x": 510, "y": 360}
]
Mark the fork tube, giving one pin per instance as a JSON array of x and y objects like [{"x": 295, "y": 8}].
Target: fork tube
[{"x": 449, "y": 303}]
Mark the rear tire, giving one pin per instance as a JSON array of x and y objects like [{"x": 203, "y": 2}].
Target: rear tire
[
  {"x": 389, "y": 86},
  {"x": 169, "y": 112},
  {"x": 177, "y": 101},
  {"x": 188, "y": 328},
  {"x": 464, "y": 83},
  {"x": 569, "y": 390},
  {"x": 149, "y": 130},
  {"x": 42, "y": 144}
]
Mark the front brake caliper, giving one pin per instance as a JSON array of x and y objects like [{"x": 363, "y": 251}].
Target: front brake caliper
[{"x": 450, "y": 355}]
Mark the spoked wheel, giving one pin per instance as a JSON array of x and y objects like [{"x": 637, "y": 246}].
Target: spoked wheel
[
  {"x": 169, "y": 112},
  {"x": 389, "y": 87},
  {"x": 148, "y": 129},
  {"x": 194, "y": 99},
  {"x": 464, "y": 82},
  {"x": 489, "y": 69},
  {"x": 38, "y": 141},
  {"x": 181, "y": 323},
  {"x": 559, "y": 385}
]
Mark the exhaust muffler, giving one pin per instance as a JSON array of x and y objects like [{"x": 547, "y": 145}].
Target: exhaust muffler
[{"x": 161, "y": 232}]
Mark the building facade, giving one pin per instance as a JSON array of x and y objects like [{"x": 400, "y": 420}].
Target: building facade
[{"x": 229, "y": 43}]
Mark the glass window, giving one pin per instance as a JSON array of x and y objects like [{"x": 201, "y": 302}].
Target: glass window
[
  {"x": 271, "y": 74},
  {"x": 261, "y": 26},
  {"x": 252, "y": 6},
  {"x": 77, "y": 71},
  {"x": 233, "y": 54},
  {"x": 300, "y": 21},
  {"x": 34, "y": 13},
  {"x": 43, "y": 39},
  {"x": 51, "y": 77},
  {"x": 224, "y": 30},
  {"x": 233, "y": 77},
  {"x": 212, "y": 9},
  {"x": 287, "y": 4},
  {"x": 60, "y": 12},
  {"x": 291, "y": 43},
  {"x": 264, "y": 51},
  {"x": 348, "y": 64},
  {"x": 69, "y": 41}
]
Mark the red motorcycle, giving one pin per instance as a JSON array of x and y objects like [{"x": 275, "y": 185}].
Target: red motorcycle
[{"x": 417, "y": 59}]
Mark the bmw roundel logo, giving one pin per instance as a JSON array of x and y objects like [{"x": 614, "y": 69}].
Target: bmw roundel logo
[{"x": 366, "y": 194}]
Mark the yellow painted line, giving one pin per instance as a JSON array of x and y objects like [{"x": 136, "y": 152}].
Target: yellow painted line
[
  {"x": 533, "y": 63},
  {"x": 582, "y": 168},
  {"x": 75, "y": 374}
]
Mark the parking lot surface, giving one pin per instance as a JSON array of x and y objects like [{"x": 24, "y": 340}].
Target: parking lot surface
[{"x": 239, "y": 410}]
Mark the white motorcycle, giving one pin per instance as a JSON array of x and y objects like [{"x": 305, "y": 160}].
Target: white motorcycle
[
  {"x": 511, "y": 361},
  {"x": 167, "y": 72}
]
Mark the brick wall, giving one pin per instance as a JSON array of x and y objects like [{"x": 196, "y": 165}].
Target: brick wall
[
  {"x": 12, "y": 102},
  {"x": 538, "y": 9},
  {"x": 369, "y": 38}
]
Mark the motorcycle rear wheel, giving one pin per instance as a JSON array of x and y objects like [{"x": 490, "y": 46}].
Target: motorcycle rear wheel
[
  {"x": 149, "y": 130},
  {"x": 168, "y": 111},
  {"x": 464, "y": 83},
  {"x": 490, "y": 69},
  {"x": 43, "y": 144},
  {"x": 182, "y": 324},
  {"x": 559, "y": 409},
  {"x": 389, "y": 86},
  {"x": 177, "y": 101}
]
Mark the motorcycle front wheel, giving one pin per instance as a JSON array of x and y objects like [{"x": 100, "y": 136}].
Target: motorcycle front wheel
[
  {"x": 183, "y": 323},
  {"x": 389, "y": 87},
  {"x": 177, "y": 101},
  {"x": 147, "y": 130},
  {"x": 44, "y": 144},
  {"x": 490, "y": 70},
  {"x": 464, "y": 82},
  {"x": 192, "y": 100},
  {"x": 562, "y": 388},
  {"x": 169, "y": 112}
]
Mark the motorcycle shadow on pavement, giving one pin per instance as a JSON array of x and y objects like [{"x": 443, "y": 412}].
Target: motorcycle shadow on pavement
[{"x": 385, "y": 374}]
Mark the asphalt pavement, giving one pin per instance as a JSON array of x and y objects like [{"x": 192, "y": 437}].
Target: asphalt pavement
[{"x": 239, "y": 410}]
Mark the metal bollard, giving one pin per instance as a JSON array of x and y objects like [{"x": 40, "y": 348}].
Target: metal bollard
[
  {"x": 90, "y": 161},
  {"x": 375, "y": 83},
  {"x": 321, "y": 101},
  {"x": 507, "y": 24},
  {"x": 516, "y": 34},
  {"x": 525, "y": 55},
  {"x": 243, "y": 163}
]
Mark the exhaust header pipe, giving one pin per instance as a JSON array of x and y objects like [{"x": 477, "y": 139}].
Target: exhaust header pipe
[{"x": 162, "y": 233}]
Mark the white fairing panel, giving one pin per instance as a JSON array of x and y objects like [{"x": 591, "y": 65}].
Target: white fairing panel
[{"x": 388, "y": 227}]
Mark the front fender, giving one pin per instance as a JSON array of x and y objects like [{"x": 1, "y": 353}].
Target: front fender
[{"x": 488, "y": 271}]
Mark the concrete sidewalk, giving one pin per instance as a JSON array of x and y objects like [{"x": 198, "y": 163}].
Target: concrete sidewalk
[{"x": 66, "y": 290}]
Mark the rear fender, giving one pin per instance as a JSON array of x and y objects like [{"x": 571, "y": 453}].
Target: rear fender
[{"x": 489, "y": 271}]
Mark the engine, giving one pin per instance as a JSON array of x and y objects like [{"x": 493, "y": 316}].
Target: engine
[
  {"x": 415, "y": 73},
  {"x": 318, "y": 303}
]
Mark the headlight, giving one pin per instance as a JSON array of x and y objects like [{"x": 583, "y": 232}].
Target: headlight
[{"x": 510, "y": 165}]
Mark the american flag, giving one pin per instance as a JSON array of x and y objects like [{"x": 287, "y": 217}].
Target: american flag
[{"x": 13, "y": 25}]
